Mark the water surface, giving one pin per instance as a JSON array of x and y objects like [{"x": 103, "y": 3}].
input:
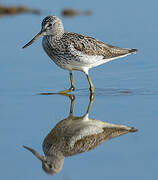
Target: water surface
[{"x": 126, "y": 91}]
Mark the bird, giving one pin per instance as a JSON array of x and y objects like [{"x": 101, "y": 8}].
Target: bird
[
  {"x": 73, "y": 51},
  {"x": 74, "y": 135}
]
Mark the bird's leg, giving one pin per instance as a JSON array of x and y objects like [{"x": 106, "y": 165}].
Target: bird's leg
[
  {"x": 91, "y": 100},
  {"x": 72, "y": 97},
  {"x": 72, "y": 88},
  {"x": 90, "y": 83}
]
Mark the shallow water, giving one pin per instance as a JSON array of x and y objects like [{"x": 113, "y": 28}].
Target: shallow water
[{"x": 126, "y": 92}]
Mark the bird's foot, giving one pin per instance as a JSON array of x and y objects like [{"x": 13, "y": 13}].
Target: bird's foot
[{"x": 72, "y": 88}]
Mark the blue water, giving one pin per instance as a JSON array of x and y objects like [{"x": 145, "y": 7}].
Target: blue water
[{"x": 126, "y": 91}]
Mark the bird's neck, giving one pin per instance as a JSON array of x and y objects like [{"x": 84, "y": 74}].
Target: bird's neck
[
  {"x": 57, "y": 32},
  {"x": 54, "y": 36}
]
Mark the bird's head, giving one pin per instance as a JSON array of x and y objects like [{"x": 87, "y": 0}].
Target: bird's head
[
  {"x": 51, "y": 25},
  {"x": 51, "y": 164}
]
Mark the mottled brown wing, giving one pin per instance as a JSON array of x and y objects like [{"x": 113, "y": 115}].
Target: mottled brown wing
[
  {"x": 91, "y": 46},
  {"x": 90, "y": 142}
]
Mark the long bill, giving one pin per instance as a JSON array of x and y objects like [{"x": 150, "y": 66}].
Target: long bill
[
  {"x": 41, "y": 33},
  {"x": 39, "y": 156}
]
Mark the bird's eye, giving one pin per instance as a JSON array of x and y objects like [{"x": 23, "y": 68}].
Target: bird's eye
[{"x": 49, "y": 25}]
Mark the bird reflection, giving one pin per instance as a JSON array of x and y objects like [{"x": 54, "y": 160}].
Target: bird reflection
[{"x": 75, "y": 135}]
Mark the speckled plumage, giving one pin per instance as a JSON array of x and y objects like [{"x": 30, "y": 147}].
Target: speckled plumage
[
  {"x": 75, "y": 135},
  {"x": 72, "y": 51},
  {"x": 78, "y": 52}
]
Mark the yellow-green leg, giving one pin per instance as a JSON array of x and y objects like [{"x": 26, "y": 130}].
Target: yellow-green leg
[
  {"x": 72, "y": 97},
  {"x": 72, "y": 88},
  {"x": 90, "y": 83},
  {"x": 91, "y": 100}
]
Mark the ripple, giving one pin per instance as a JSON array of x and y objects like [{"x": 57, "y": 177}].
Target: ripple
[{"x": 118, "y": 92}]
